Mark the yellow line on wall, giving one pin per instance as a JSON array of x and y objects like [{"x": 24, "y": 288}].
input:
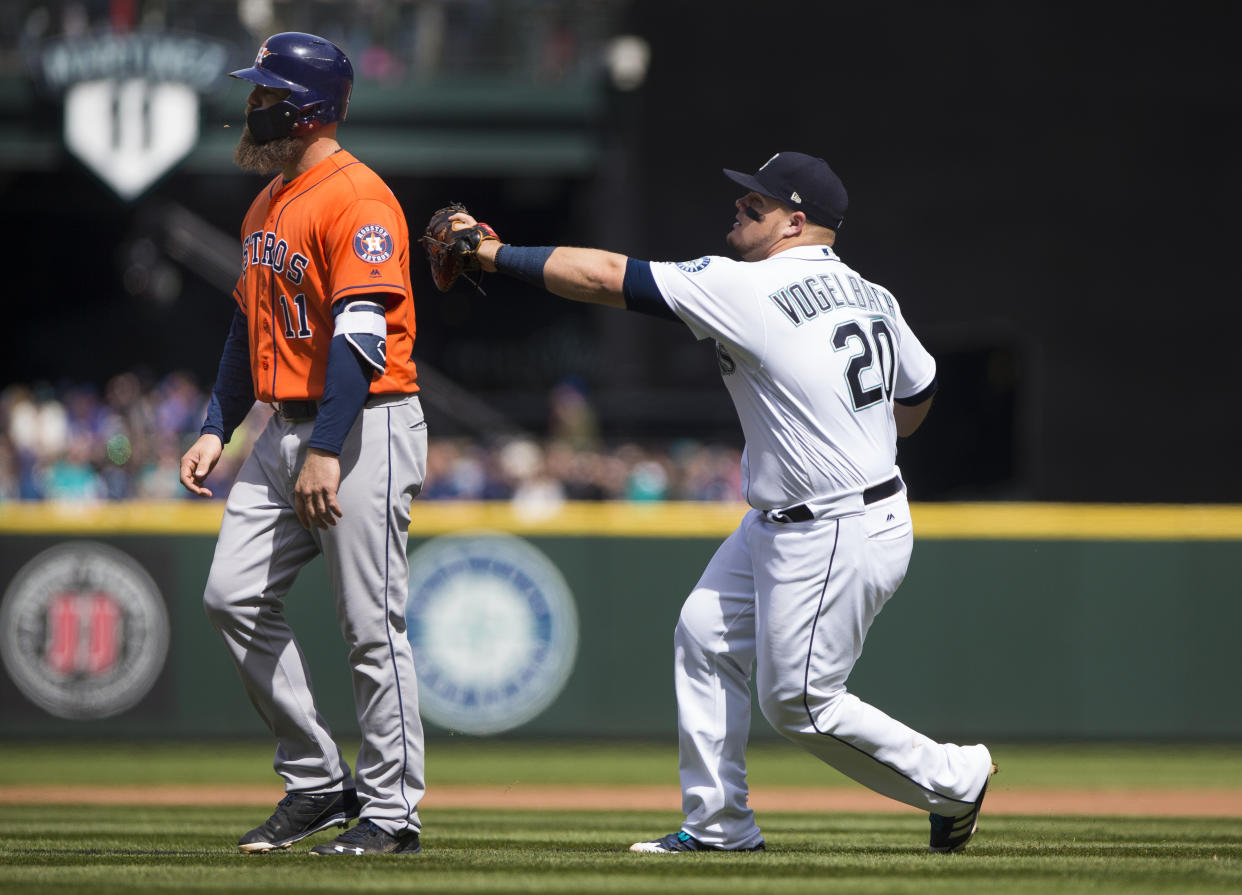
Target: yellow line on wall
[
  {"x": 991, "y": 521},
  {"x": 1072, "y": 521}
]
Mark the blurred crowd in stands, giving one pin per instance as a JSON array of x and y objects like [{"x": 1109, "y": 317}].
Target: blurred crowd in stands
[
  {"x": 390, "y": 41},
  {"x": 79, "y": 444}
]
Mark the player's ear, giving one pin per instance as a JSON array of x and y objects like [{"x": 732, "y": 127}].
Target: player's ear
[{"x": 796, "y": 225}]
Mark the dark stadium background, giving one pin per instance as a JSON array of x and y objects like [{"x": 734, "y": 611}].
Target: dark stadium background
[{"x": 1050, "y": 189}]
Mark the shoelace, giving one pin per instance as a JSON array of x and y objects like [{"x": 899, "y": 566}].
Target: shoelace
[{"x": 359, "y": 834}]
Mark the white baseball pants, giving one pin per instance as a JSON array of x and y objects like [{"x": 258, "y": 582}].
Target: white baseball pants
[
  {"x": 795, "y": 601},
  {"x": 261, "y": 549}
]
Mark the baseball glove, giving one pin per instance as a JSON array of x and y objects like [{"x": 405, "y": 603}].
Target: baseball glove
[{"x": 453, "y": 253}]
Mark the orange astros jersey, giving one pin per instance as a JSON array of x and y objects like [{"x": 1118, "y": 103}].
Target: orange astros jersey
[{"x": 333, "y": 233}]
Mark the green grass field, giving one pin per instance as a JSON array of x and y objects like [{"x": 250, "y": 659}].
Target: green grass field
[{"x": 99, "y": 849}]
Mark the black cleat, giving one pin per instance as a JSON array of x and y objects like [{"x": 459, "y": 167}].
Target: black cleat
[
  {"x": 368, "y": 839},
  {"x": 683, "y": 842},
  {"x": 297, "y": 816},
  {"x": 950, "y": 834}
]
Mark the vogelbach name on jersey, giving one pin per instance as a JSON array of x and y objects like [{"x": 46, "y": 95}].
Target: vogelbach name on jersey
[{"x": 806, "y": 299}]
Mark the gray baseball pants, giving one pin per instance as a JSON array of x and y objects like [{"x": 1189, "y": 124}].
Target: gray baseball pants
[{"x": 260, "y": 551}]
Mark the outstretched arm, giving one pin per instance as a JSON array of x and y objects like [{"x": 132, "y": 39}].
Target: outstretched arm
[
  {"x": 589, "y": 275},
  {"x": 457, "y": 242}
]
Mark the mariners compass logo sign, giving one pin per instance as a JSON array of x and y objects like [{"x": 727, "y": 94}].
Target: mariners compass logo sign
[{"x": 494, "y": 631}]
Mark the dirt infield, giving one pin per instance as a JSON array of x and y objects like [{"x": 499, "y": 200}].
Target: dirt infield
[{"x": 1126, "y": 802}]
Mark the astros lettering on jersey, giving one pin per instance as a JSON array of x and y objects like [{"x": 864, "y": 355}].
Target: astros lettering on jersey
[{"x": 332, "y": 233}]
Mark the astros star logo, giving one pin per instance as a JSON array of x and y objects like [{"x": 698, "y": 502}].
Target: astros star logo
[{"x": 373, "y": 244}]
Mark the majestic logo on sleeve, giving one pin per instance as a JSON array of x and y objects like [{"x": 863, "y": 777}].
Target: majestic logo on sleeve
[
  {"x": 494, "y": 631},
  {"x": 83, "y": 631},
  {"x": 373, "y": 244},
  {"x": 694, "y": 266}
]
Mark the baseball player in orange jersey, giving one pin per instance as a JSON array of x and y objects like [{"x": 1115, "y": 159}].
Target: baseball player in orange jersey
[{"x": 324, "y": 331}]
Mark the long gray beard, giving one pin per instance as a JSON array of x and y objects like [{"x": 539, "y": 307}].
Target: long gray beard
[{"x": 266, "y": 158}]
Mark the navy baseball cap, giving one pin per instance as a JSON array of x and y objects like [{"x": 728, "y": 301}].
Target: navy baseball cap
[{"x": 803, "y": 182}]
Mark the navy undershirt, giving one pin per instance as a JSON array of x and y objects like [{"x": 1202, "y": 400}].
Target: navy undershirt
[
  {"x": 345, "y": 387},
  {"x": 347, "y": 382},
  {"x": 915, "y": 400},
  {"x": 641, "y": 292},
  {"x": 233, "y": 394}
]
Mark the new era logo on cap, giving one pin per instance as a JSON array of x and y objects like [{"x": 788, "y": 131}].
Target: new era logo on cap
[{"x": 800, "y": 180}]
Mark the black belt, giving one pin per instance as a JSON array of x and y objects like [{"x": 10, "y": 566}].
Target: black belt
[
  {"x": 297, "y": 411},
  {"x": 802, "y": 513},
  {"x": 882, "y": 490},
  {"x": 304, "y": 411}
]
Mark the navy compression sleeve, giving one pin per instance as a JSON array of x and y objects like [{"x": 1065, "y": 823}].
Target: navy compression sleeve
[
  {"x": 641, "y": 292},
  {"x": 345, "y": 387},
  {"x": 233, "y": 394},
  {"x": 524, "y": 262}
]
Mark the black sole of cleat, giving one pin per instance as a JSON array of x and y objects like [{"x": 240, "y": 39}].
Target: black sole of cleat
[{"x": 255, "y": 848}]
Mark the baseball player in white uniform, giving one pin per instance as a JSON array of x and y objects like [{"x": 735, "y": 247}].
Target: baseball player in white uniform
[{"x": 825, "y": 373}]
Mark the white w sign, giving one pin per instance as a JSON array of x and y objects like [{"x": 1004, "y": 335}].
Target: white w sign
[
  {"x": 130, "y": 132},
  {"x": 131, "y": 100}
]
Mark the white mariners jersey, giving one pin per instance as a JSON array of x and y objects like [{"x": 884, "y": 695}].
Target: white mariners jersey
[{"x": 813, "y": 356}]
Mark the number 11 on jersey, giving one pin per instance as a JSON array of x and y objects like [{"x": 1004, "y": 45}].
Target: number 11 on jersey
[{"x": 303, "y": 331}]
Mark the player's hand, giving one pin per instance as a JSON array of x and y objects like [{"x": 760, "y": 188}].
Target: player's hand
[
  {"x": 199, "y": 461},
  {"x": 314, "y": 493},
  {"x": 486, "y": 252}
]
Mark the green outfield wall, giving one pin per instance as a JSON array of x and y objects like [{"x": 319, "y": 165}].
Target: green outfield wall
[{"x": 1016, "y": 621}]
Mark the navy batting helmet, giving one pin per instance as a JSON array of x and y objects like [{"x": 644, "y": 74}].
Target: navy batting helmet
[{"x": 318, "y": 76}]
